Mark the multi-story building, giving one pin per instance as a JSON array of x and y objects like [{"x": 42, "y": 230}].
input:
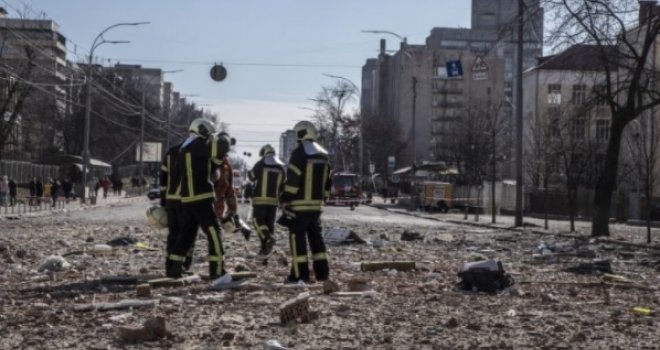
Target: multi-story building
[
  {"x": 147, "y": 80},
  {"x": 287, "y": 144},
  {"x": 392, "y": 84},
  {"x": 33, "y": 57},
  {"x": 563, "y": 106}
]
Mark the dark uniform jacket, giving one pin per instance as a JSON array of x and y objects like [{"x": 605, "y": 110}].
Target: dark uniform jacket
[
  {"x": 197, "y": 161},
  {"x": 307, "y": 178},
  {"x": 170, "y": 179},
  {"x": 268, "y": 178}
]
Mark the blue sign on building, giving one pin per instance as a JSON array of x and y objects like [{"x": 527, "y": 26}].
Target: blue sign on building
[{"x": 454, "y": 69}]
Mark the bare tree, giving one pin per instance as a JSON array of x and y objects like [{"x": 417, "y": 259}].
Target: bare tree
[
  {"x": 640, "y": 157},
  {"x": 15, "y": 88},
  {"x": 542, "y": 161},
  {"x": 574, "y": 149},
  {"x": 337, "y": 129},
  {"x": 627, "y": 45}
]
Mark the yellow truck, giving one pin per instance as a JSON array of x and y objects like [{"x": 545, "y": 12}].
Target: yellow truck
[{"x": 437, "y": 195}]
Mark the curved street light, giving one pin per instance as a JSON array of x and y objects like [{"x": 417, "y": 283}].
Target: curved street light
[
  {"x": 88, "y": 100},
  {"x": 402, "y": 38}
]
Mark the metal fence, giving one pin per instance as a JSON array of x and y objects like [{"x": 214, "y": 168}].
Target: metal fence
[{"x": 22, "y": 172}]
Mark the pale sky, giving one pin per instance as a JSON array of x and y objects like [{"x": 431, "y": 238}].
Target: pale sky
[{"x": 275, "y": 51}]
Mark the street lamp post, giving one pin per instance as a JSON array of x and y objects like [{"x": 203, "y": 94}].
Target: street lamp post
[{"x": 88, "y": 88}]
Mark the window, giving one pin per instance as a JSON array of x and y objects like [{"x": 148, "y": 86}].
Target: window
[
  {"x": 602, "y": 130},
  {"x": 579, "y": 94},
  {"x": 578, "y": 128},
  {"x": 554, "y": 94}
]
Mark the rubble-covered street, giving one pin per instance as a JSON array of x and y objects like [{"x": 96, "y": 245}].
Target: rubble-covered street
[{"x": 59, "y": 287}]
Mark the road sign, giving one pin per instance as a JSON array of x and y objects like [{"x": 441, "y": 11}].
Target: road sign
[
  {"x": 372, "y": 168},
  {"x": 454, "y": 69},
  {"x": 151, "y": 152},
  {"x": 218, "y": 72},
  {"x": 479, "y": 69},
  {"x": 395, "y": 179},
  {"x": 390, "y": 162}
]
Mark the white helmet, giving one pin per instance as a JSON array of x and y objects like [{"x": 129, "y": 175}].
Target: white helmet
[
  {"x": 305, "y": 130},
  {"x": 202, "y": 127},
  {"x": 157, "y": 216},
  {"x": 265, "y": 150}
]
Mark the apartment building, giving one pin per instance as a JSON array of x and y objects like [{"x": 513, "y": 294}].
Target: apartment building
[
  {"x": 406, "y": 86},
  {"x": 33, "y": 60}
]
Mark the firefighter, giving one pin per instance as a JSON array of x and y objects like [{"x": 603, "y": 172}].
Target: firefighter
[
  {"x": 225, "y": 196},
  {"x": 199, "y": 155},
  {"x": 268, "y": 178},
  {"x": 170, "y": 197},
  {"x": 307, "y": 185}
]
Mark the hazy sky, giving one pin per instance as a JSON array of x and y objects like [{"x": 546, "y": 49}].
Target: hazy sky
[{"x": 275, "y": 51}]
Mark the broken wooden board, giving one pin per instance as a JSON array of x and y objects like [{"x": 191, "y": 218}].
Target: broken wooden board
[
  {"x": 123, "y": 304},
  {"x": 235, "y": 276},
  {"x": 387, "y": 265},
  {"x": 127, "y": 279}
]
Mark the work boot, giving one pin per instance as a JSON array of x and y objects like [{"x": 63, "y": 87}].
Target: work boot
[
  {"x": 246, "y": 233},
  {"x": 269, "y": 244},
  {"x": 188, "y": 263},
  {"x": 174, "y": 269}
]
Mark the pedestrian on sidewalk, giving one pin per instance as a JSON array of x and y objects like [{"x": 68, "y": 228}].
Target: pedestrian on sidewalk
[
  {"x": 39, "y": 190},
  {"x": 54, "y": 192},
  {"x": 4, "y": 190},
  {"x": 12, "y": 192},
  {"x": 66, "y": 188},
  {"x": 105, "y": 183}
]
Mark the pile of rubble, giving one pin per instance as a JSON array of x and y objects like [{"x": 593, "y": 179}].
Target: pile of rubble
[{"x": 91, "y": 286}]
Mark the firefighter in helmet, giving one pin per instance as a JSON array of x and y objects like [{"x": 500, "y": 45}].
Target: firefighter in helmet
[
  {"x": 307, "y": 185},
  {"x": 267, "y": 175},
  {"x": 226, "y": 203},
  {"x": 200, "y": 154}
]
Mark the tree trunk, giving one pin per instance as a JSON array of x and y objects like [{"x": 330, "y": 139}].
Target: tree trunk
[
  {"x": 571, "y": 207},
  {"x": 607, "y": 179},
  {"x": 545, "y": 202}
]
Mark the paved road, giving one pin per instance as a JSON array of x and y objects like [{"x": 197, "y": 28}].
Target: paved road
[{"x": 133, "y": 211}]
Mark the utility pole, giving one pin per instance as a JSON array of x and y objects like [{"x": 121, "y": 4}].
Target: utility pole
[
  {"x": 141, "y": 147},
  {"x": 413, "y": 181},
  {"x": 519, "y": 119}
]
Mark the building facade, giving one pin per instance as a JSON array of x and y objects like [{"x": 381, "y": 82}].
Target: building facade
[
  {"x": 393, "y": 84},
  {"x": 33, "y": 78}
]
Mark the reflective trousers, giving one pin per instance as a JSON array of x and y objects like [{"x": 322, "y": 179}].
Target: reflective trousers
[
  {"x": 263, "y": 219},
  {"x": 192, "y": 216},
  {"x": 307, "y": 228},
  {"x": 174, "y": 231}
]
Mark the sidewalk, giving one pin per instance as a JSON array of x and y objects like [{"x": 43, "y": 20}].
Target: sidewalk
[
  {"x": 634, "y": 233},
  {"x": 22, "y": 209}
]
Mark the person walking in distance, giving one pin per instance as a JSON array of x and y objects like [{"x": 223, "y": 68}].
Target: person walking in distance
[
  {"x": 268, "y": 176},
  {"x": 55, "y": 187},
  {"x": 307, "y": 184},
  {"x": 198, "y": 157},
  {"x": 4, "y": 190},
  {"x": 12, "y": 192}
]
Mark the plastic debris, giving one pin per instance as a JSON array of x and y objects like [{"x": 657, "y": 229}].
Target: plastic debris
[
  {"x": 54, "y": 263},
  {"x": 273, "y": 344}
]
